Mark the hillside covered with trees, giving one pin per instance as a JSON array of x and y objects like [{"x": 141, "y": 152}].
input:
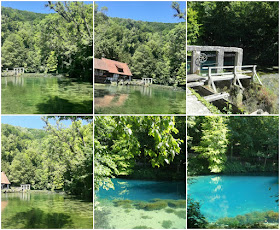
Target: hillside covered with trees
[
  {"x": 151, "y": 49},
  {"x": 54, "y": 158},
  {"x": 60, "y": 42}
]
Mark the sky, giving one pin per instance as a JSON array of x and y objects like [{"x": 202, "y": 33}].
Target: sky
[
  {"x": 33, "y": 6},
  {"x": 34, "y": 122},
  {"x": 151, "y": 11}
]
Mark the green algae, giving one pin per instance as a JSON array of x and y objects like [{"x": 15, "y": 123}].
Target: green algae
[
  {"x": 142, "y": 227},
  {"x": 123, "y": 203},
  {"x": 146, "y": 217},
  {"x": 150, "y": 206},
  {"x": 177, "y": 204},
  {"x": 166, "y": 224},
  {"x": 181, "y": 214}
]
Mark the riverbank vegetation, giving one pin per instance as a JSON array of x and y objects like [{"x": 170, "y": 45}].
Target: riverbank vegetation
[
  {"x": 151, "y": 49},
  {"x": 232, "y": 146},
  {"x": 60, "y": 42},
  {"x": 54, "y": 158}
]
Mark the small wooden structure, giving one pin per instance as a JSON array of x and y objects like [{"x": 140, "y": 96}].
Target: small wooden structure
[
  {"x": 147, "y": 81},
  {"x": 5, "y": 183},
  {"x": 25, "y": 187},
  {"x": 19, "y": 70},
  {"x": 16, "y": 71}
]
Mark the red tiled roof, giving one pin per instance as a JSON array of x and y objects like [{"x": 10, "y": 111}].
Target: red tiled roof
[
  {"x": 112, "y": 66},
  {"x": 100, "y": 64},
  {"x": 4, "y": 179}
]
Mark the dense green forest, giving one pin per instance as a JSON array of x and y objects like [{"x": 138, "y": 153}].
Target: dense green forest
[
  {"x": 232, "y": 144},
  {"x": 60, "y": 42},
  {"x": 54, "y": 158},
  {"x": 251, "y": 25},
  {"x": 151, "y": 147},
  {"x": 151, "y": 49}
]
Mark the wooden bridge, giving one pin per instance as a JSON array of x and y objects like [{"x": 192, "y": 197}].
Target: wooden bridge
[
  {"x": 234, "y": 74},
  {"x": 238, "y": 73}
]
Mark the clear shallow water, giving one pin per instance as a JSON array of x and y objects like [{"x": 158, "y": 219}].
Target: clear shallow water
[
  {"x": 29, "y": 210},
  {"x": 229, "y": 196},
  {"x": 111, "y": 99},
  {"x": 36, "y": 94},
  {"x": 136, "y": 193}
]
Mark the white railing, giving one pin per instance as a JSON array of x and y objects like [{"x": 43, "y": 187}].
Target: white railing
[{"x": 236, "y": 72}]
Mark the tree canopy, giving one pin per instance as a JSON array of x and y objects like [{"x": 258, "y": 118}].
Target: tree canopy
[
  {"x": 54, "y": 158},
  {"x": 59, "y": 42},
  {"x": 123, "y": 143},
  {"x": 251, "y": 25},
  {"x": 232, "y": 144}
]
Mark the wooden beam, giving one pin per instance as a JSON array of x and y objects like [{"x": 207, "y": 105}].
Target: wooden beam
[
  {"x": 217, "y": 96},
  {"x": 194, "y": 84}
]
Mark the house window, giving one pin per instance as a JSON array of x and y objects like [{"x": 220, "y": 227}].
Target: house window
[{"x": 120, "y": 70}]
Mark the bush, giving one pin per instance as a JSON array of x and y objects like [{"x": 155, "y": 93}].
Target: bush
[{"x": 195, "y": 217}]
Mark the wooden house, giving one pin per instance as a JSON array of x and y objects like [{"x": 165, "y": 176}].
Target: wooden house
[
  {"x": 5, "y": 183},
  {"x": 106, "y": 70}
]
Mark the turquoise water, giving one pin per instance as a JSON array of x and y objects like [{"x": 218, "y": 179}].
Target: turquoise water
[
  {"x": 141, "y": 204},
  {"x": 122, "y": 99},
  {"x": 144, "y": 190},
  {"x": 229, "y": 196}
]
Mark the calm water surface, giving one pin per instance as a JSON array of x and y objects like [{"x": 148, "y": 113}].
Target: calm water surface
[
  {"x": 29, "y": 210},
  {"x": 111, "y": 99},
  {"x": 137, "y": 191},
  {"x": 32, "y": 94},
  {"x": 229, "y": 196}
]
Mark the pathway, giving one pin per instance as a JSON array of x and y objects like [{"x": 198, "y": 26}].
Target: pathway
[{"x": 194, "y": 106}]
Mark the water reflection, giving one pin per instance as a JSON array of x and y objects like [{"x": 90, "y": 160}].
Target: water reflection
[
  {"x": 20, "y": 195},
  {"x": 229, "y": 196},
  {"x": 14, "y": 80},
  {"x": 110, "y": 99}
]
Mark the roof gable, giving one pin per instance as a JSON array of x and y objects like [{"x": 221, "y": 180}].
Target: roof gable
[
  {"x": 4, "y": 179},
  {"x": 112, "y": 66}
]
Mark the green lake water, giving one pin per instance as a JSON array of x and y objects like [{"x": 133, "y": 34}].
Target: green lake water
[
  {"x": 109, "y": 99},
  {"x": 30, "y": 210},
  {"x": 39, "y": 94}
]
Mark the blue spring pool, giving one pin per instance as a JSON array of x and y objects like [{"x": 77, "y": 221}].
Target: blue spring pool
[
  {"x": 229, "y": 196},
  {"x": 144, "y": 190}
]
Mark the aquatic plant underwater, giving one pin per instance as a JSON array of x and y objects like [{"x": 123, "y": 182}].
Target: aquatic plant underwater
[{"x": 135, "y": 214}]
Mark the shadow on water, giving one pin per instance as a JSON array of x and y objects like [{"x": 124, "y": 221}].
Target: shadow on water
[
  {"x": 101, "y": 92},
  {"x": 58, "y": 105},
  {"x": 162, "y": 188},
  {"x": 36, "y": 218}
]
